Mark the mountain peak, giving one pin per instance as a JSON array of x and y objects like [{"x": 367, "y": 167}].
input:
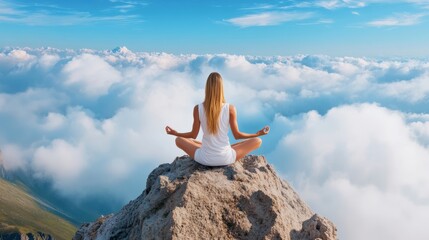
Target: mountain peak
[
  {"x": 186, "y": 200},
  {"x": 121, "y": 50}
]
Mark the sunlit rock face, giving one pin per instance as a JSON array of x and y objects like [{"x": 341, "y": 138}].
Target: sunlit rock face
[{"x": 186, "y": 200}]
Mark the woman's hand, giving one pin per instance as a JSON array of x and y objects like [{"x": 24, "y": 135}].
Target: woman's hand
[
  {"x": 263, "y": 131},
  {"x": 170, "y": 131}
]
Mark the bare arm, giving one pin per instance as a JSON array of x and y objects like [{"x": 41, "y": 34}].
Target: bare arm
[
  {"x": 234, "y": 126},
  {"x": 195, "y": 127}
]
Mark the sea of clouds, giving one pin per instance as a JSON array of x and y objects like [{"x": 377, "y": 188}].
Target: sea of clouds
[{"x": 351, "y": 134}]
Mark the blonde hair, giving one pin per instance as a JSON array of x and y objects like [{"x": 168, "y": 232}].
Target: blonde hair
[{"x": 213, "y": 101}]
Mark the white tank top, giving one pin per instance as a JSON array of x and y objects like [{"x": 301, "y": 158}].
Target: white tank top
[{"x": 216, "y": 149}]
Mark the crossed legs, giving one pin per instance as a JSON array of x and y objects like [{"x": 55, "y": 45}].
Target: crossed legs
[
  {"x": 188, "y": 145},
  {"x": 244, "y": 147},
  {"x": 241, "y": 148}
]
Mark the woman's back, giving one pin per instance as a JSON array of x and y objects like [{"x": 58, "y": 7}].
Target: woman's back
[{"x": 216, "y": 149}]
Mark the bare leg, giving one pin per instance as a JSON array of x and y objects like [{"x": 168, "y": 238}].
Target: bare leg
[
  {"x": 188, "y": 145},
  {"x": 196, "y": 141},
  {"x": 245, "y": 147}
]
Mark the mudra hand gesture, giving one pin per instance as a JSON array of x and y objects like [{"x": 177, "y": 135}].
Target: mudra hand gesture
[
  {"x": 170, "y": 131},
  {"x": 263, "y": 131}
]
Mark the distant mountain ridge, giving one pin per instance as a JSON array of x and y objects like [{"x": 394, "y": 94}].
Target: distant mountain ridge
[
  {"x": 22, "y": 216},
  {"x": 43, "y": 190},
  {"x": 121, "y": 50},
  {"x": 15, "y": 223}
]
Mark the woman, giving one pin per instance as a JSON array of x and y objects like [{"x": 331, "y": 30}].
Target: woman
[{"x": 215, "y": 117}]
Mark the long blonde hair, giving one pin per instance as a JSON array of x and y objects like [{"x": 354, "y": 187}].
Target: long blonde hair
[{"x": 213, "y": 101}]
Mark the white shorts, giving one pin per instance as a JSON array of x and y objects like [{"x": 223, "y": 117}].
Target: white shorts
[{"x": 222, "y": 159}]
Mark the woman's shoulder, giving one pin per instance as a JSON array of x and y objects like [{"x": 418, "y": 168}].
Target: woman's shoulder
[
  {"x": 231, "y": 108},
  {"x": 198, "y": 105}
]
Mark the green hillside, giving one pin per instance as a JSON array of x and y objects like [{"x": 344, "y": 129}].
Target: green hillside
[{"x": 20, "y": 212}]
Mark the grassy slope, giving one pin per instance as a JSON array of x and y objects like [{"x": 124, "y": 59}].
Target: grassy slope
[{"x": 20, "y": 211}]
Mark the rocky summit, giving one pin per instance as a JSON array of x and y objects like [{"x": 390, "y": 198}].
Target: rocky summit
[{"x": 186, "y": 200}]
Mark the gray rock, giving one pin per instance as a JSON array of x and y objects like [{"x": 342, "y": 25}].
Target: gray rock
[
  {"x": 186, "y": 200},
  {"x": 316, "y": 227},
  {"x": 25, "y": 236}
]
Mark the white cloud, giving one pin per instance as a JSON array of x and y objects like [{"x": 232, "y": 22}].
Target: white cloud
[
  {"x": 330, "y": 4},
  {"x": 360, "y": 165},
  {"x": 260, "y": 7},
  {"x": 134, "y": 3},
  {"x": 268, "y": 18},
  {"x": 91, "y": 73},
  {"x": 336, "y": 4},
  {"x": 117, "y": 129},
  {"x": 398, "y": 20},
  {"x": 327, "y": 4},
  {"x": 60, "y": 160},
  {"x": 13, "y": 157},
  {"x": 28, "y": 105},
  {"x": 269, "y": 95},
  {"x": 16, "y": 60},
  {"x": 421, "y": 131},
  {"x": 419, "y": 124},
  {"x": 379, "y": 214},
  {"x": 20, "y": 55},
  {"x": 409, "y": 90},
  {"x": 54, "y": 121},
  {"x": 47, "y": 61}
]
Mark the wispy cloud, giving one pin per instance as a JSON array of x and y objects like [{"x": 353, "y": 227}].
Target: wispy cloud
[
  {"x": 337, "y": 4},
  {"x": 126, "y": 6},
  {"x": 332, "y": 4},
  {"x": 5, "y": 9},
  {"x": 40, "y": 19},
  {"x": 52, "y": 15},
  {"x": 320, "y": 21},
  {"x": 135, "y": 3},
  {"x": 260, "y": 7},
  {"x": 398, "y": 20},
  {"x": 327, "y": 4},
  {"x": 268, "y": 18}
]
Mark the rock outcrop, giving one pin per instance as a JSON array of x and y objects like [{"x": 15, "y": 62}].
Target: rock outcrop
[
  {"x": 186, "y": 200},
  {"x": 25, "y": 236}
]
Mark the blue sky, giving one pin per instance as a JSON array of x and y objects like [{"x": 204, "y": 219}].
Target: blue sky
[{"x": 355, "y": 28}]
